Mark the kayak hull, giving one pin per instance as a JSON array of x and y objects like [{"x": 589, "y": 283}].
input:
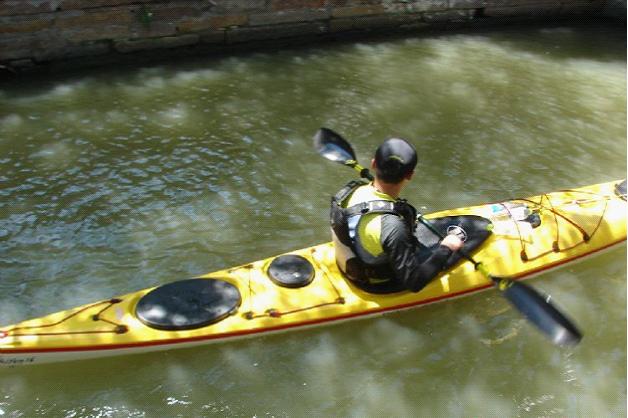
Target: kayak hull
[{"x": 574, "y": 225}]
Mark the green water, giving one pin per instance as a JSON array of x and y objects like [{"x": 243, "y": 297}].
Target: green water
[{"x": 117, "y": 180}]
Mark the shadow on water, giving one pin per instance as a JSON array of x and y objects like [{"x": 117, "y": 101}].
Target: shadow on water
[{"x": 600, "y": 40}]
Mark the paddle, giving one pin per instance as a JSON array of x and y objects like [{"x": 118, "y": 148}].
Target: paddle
[{"x": 536, "y": 307}]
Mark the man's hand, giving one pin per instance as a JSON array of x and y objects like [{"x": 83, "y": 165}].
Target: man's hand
[{"x": 452, "y": 242}]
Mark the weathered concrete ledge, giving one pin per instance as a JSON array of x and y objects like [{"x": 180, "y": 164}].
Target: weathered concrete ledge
[{"x": 40, "y": 34}]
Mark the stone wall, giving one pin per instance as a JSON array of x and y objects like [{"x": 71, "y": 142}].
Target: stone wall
[
  {"x": 43, "y": 33},
  {"x": 615, "y": 9}
]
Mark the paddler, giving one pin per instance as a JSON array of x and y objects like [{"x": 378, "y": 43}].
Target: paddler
[{"x": 373, "y": 229}]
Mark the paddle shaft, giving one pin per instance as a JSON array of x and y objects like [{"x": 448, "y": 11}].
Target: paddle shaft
[{"x": 364, "y": 172}]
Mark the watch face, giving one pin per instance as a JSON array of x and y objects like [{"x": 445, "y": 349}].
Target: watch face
[{"x": 458, "y": 231}]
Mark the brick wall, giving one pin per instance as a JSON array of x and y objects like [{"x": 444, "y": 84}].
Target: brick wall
[{"x": 40, "y": 33}]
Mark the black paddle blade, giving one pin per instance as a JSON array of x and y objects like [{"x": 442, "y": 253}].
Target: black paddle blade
[
  {"x": 332, "y": 146},
  {"x": 540, "y": 311}
]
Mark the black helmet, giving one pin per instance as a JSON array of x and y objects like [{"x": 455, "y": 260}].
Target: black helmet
[{"x": 394, "y": 160}]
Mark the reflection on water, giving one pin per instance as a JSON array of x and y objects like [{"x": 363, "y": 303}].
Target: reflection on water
[{"x": 118, "y": 180}]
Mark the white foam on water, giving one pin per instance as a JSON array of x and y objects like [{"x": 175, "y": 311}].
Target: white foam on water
[
  {"x": 237, "y": 65},
  {"x": 372, "y": 51},
  {"x": 394, "y": 333},
  {"x": 173, "y": 228},
  {"x": 378, "y": 395},
  {"x": 11, "y": 121},
  {"x": 156, "y": 82},
  {"x": 64, "y": 89},
  {"x": 69, "y": 117},
  {"x": 321, "y": 364},
  {"x": 197, "y": 76},
  {"x": 147, "y": 84},
  {"x": 176, "y": 114},
  {"x": 595, "y": 85},
  {"x": 556, "y": 31},
  {"x": 171, "y": 400},
  {"x": 176, "y": 372},
  {"x": 116, "y": 116},
  {"x": 241, "y": 363},
  {"x": 468, "y": 92},
  {"x": 471, "y": 399},
  {"x": 59, "y": 153},
  {"x": 57, "y": 92},
  {"x": 599, "y": 395}
]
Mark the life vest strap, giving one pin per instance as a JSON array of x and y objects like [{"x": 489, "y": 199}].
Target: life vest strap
[{"x": 373, "y": 206}]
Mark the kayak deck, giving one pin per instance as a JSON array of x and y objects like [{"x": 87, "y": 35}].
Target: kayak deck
[{"x": 573, "y": 224}]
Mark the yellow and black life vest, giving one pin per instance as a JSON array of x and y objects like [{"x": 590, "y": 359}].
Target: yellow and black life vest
[{"x": 362, "y": 258}]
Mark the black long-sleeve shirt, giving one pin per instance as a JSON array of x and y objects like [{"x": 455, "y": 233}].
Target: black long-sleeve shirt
[{"x": 413, "y": 264}]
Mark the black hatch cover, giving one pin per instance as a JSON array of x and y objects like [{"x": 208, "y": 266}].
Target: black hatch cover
[
  {"x": 291, "y": 270},
  {"x": 188, "y": 304}
]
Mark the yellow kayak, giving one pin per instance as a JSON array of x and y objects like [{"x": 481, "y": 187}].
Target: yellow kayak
[{"x": 304, "y": 288}]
